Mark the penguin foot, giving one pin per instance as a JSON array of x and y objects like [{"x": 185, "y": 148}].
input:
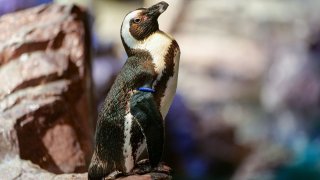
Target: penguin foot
[
  {"x": 142, "y": 167},
  {"x": 143, "y": 162},
  {"x": 114, "y": 175},
  {"x": 162, "y": 168}
]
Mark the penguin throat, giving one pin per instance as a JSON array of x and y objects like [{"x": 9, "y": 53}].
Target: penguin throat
[{"x": 157, "y": 44}]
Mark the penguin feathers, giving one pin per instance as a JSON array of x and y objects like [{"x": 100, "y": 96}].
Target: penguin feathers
[{"x": 132, "y": 121}]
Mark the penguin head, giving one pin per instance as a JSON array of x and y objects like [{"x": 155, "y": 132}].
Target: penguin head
[{"x": 141, "y": 23}]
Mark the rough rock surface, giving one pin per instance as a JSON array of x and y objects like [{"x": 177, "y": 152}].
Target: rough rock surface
[
  {"x": 15, "y": 168},
  {"x": 45, "y": 95}
]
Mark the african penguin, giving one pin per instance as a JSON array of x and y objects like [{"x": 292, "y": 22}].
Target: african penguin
[{"x": 132, "y": 118}]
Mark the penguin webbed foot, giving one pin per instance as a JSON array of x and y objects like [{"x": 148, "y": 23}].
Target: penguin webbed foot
[
  {"x": 162, "y": 168},
  {"x": 144, "y": 167},
  {"x": 114, "y": 175}
]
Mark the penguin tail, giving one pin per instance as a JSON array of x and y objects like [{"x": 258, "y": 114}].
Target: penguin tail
[{"x": 97, "y": 168}]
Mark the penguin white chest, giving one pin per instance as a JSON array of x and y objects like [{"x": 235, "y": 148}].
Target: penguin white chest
[
  {"x": 171, "y": 88},
  {"x": 158, "y": 45}
]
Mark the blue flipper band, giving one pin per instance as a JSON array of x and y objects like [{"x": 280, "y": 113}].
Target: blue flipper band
[{"x": 145, "y": 89}]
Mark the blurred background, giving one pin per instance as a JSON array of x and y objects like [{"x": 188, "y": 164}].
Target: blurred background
[{"x": 248, "y": 98}]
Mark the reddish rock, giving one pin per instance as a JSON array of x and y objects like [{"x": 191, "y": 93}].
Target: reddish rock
[{"x": 45, "y": 94}]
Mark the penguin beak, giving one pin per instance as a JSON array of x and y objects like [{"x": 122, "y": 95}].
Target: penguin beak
[{"x": 157, "y": 9}]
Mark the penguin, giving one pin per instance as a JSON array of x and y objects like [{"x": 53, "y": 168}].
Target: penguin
[{"x": 131, "y": 121}]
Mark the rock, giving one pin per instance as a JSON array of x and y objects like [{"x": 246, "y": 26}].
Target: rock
[
  {"x": 46, "y": 113},
  {"x": 15, "y": 168},
  {"x": 149, "y": 176}
]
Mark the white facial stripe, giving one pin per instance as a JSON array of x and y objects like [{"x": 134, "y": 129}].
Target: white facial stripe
[
  {"x": 125, "y": 31},
  {"x": 127, "y": 148}
]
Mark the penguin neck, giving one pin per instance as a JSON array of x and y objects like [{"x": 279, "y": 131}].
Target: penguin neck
[{"x": 157, "y": 44}]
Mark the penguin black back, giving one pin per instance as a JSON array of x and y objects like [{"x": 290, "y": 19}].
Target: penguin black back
[{"x": 109, "y": 132}]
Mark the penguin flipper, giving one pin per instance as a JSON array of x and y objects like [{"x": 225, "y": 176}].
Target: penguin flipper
[{"x": 143, "y": 107}]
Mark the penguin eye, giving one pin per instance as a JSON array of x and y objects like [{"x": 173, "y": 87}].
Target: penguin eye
[{"x": 136, "y": 20}]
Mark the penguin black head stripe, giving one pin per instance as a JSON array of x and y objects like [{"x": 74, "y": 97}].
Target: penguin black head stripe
[{"x": 132, "y": 119}]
